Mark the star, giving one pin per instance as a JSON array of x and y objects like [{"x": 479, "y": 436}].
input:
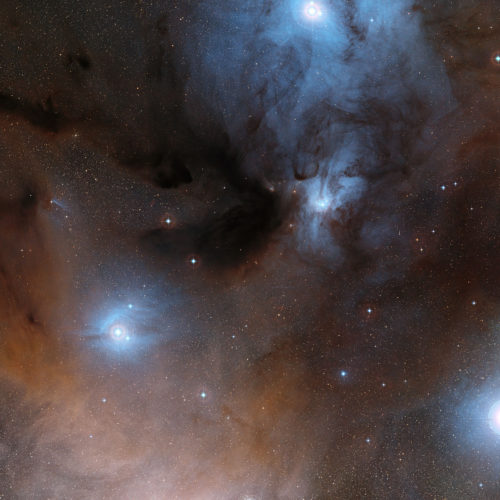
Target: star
[
  {"x": 313, "y": 11},
  {"x": 117, "y": 332},
  {"x": 203, "y": 395},
  {"x": 494, "y": 417},
  {"x": 443, "y": 187},
  {"x": 343, "y": 373}
]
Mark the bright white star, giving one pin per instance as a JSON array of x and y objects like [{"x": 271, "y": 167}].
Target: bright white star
[
  {"x": 117, "y": 332},
  {"x": 312, "y": 11},
  {"x": 494, "y": 418}
]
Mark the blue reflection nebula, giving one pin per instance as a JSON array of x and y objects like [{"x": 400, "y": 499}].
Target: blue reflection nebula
[
  {"x": 494, "y": 417},
  {"x": 125, "y": 328}
]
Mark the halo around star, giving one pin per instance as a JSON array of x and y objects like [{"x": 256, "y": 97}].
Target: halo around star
[
  {"x": 494, "y": 418},
  {"x": 312, "y": 11},
  {"x": 118, "y": 332}
]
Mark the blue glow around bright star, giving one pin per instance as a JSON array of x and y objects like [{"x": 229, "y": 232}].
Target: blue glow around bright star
[
  {"x": 475, "y": 426},
  {"x": 118, "y": 332},
  {"x": 124, "y": 328},
  {"x": 494, "y": 418},
  {"x": 313, "y": 11}
]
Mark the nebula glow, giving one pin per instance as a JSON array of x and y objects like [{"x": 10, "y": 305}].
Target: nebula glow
[{"x": 494, "y": 418}]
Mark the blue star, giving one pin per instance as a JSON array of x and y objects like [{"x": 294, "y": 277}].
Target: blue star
[
  {"x": 203, "y": 395},
  {"x": 343, "y": 373}
]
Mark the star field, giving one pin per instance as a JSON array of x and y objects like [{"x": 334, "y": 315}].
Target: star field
[{"x": 249, "y": 250}]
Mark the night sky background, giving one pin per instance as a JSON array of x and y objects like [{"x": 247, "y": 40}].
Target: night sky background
[{"x": 249, "y": 249}]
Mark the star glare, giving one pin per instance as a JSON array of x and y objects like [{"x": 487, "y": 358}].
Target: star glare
[
  {"x": 312, "y": 11},
  {"x": 167, "y": 221},
  {"x": 343, "y": 373},
  {"x": 118, "y": 332},
  {"x": 494, "y": 418}
]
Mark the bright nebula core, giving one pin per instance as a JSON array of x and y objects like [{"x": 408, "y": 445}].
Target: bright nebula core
[{"x": 249, "y": 249}]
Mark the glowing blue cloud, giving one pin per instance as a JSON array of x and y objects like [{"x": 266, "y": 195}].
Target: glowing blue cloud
[
  {"x": 125, "y": 329},
  {"x": 494, "y": 417}
]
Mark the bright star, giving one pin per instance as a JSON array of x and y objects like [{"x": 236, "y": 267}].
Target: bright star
[
  {"x": 167, "y": 221},
  {"x": 203, "y": 395},
  {"x": 117, "y": 332},
  {"x": 494, "y": 418},
  {"x": 313, "y": 11},
  {"x": 443, "y": 187},
  {"x": 343, "y": 373}
]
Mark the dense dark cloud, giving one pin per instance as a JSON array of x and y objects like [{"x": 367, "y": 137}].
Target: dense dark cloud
[{"x": 243, "y": 256}]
